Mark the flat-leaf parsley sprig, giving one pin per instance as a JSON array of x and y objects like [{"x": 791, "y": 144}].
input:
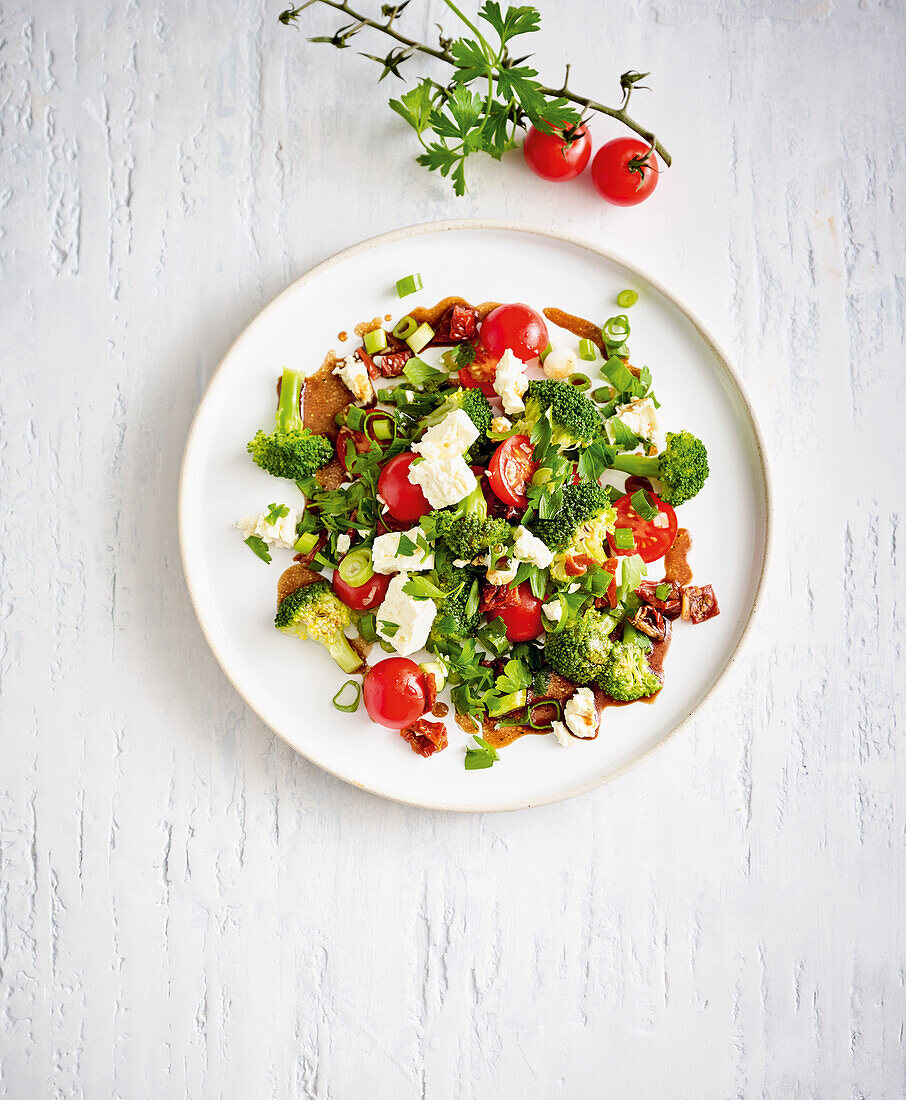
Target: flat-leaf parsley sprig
[{"x": 491, "y": 94}]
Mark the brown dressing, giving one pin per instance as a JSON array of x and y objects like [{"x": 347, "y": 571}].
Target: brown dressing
[
  {"x": 342, "y": 337},
  {"x": 297, "y": 576},
  {"x": 578, "y": 326},
  {"x": 466, "y": 723},
  {"x": 432, "y": 314},
  {"x": 440, "y": 710},
  {"x": 367, "y": 326},
  {"x": 676, "y": 568}
]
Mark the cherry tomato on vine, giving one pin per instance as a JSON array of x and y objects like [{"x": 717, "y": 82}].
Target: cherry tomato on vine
[
  {"x": 651, "y": 542},
  {"x": 405, "y": 501},
  {"x": 551, "y": 157},
  {"x": 394, "y": 692},
  {"x": 517, "y": 327},
  {"x": 523, "y": 619},
  {"x": 624, "y": 171},
  {"x": 511, "y": 469}
]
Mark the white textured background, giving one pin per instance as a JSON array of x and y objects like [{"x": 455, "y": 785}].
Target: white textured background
[{"x": 189, "y": 909}]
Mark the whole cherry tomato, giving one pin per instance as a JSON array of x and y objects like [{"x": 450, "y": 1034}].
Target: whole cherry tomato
[
  {"x": 553, "y": 158},
  {"x": 517, "y": 327},
  {"x": 394, "y": 692},
  {"x": 653, "y": 537},
  {"x": 523, "y": 619},
  {"x": 405, "y": 501},
  {"x": 624, "y": 171},
  {"x": 511, "y": 469},
  {"x": 361, "y": 597}
]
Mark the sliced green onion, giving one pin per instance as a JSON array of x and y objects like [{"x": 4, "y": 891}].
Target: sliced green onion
[
  {"x": 375, "y": 341},
  {"x": 627, "y": 298},
  {"x": 306, "y": 543},
  {"x": 422, "y": 336},
  {"x": 544, "y": 354},
  {"x": 587, "y": 350},
  {"x": 409, "y": 284},
  {"x": 405, "y": 327},
  {"x": 602, "y": 394},
  {"x": 356, "y": 568},
  {"x": 615, "y": 330},
  {"x": 623, "y": 538},
  {"x": 357, "y": 695},
  {"x": 355, "y": 418},
  {"x": 544, "y": 703},
  {"x": 662, "y": 591},
  {"x": 379, "y": 426},
  {"x": 367, "y": 627},
  {"x": 643, "y": 504},
  {"x": 507, "y": 703},
  {"x": 616, "y": 372},
  {"x": 580, "y": 381}
]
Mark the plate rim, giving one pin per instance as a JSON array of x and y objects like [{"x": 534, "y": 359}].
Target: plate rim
[{"x": 506, "y": 225}]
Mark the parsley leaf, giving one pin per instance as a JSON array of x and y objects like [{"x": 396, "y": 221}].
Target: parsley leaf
[
  {"x": 405, "y": 547},
  {"x": 482, "y": 757},
  {"x": 388, "y": 628},
  {"x": 515, "y": 677},
  {"x": 277, "y": 511},
  {"x": 259, "y": 546}
]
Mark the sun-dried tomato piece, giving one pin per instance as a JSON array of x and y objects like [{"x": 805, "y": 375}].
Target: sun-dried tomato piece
[
  {"x": 425, "y": 737},
  {"x": 307, "y": 559},
  {"x": 373, "y": 372},
  {"x": 360, "y": 442},
  {"x": 670, "y": 605},
  {"x": 391, "y": 363},
  {"x": 577, "y": 564},
  {"x": 699, "y": 604},
  {"x": 458, "y": 323},
  {"x": 497, "y": 596},
  {"x": 648, "y": 620}
]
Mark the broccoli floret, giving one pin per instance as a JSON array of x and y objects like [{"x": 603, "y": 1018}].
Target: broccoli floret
[
  {"x": 315, "y": 612},
  {"x": 472, "y": 402},
  {"x": 575, "y": 421},
  {"x": 468, "y": 530},
  {"x": 292, "y": 450},
  {"x": 579, "y": 527},
  {"x": 627, "y": 675},
  {"x": 580, "y": 652},
  {"x": 682, "y": 466},
  {"x": 458, "y": 624}
]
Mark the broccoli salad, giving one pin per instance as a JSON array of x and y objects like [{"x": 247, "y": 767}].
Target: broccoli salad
[{"x": 483, "y": 505}]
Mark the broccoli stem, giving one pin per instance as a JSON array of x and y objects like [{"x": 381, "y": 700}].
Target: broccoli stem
[
  {"x": 343, "y": 653},
  {"x": 640, "y": 465},
  {"x": 288, "y": 417}
]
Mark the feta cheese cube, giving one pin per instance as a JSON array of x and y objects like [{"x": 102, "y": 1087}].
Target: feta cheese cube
[
  {"x": 581, "y": 713},
  {"x": 510, "y": 382},
  {"x": 411, "y": 617},
  {"x": 387, "y": 557},
  {"x": 552, "y": 610},
  {"x": 530, "y": 548},
  {"x": 443, "y": 481},
  {"x": 282, "y": 533},
  {"x": 640, "y": 417},
  {"x": 560, "y": 363},
  {"x": 452, "y": 437},
  {"x": 353, "y": 373},
  {"x": 501, "y": 424},
  {"x": 502, "y": 574},
  {"x": 343, "y": 543}
]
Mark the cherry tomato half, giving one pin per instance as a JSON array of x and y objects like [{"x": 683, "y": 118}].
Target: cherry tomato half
[
  {"x": 523, "y": 619},
  {"x": 651, "y": 542},
  {"x": 517, "y": 327},
  {"x": 623, "y": 172},
  {"x": 361, "y": 597},
  {"x": 394, "y": 692},
  {"x": 405, "y": 501},
  {"x": 511, "y": 469},
  {"x": 549, "y": 156}
]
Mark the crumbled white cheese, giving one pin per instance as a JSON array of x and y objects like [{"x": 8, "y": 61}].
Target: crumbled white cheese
[
  {"x": 502, "y": 574},
  {"x": 460, "y": 563},
  {"x": 354, "y": 375},
  {"x": 581, "y": 713},
  {"x": 639, "y": 417},
  {"x": 282, "y": 533},
  {"x": 452, "y": 437},
  {"x": 530, "y": 548},
  {"x": 343, "y": 543},
  {"x": 552, "y": 610},
  {"x": 413, "y": 618},
  {"x": 560, "y": 363},
  {"x": 562, "y": 734},
  {"x": 501, "y": 424},
  {"x": 510, "y": 382},
  {"x": 443, "y": 482},
  {"x": 386, "y": 556}
]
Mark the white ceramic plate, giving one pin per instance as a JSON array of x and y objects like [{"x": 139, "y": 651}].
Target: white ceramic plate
[{"x": 290, "y": 683}]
